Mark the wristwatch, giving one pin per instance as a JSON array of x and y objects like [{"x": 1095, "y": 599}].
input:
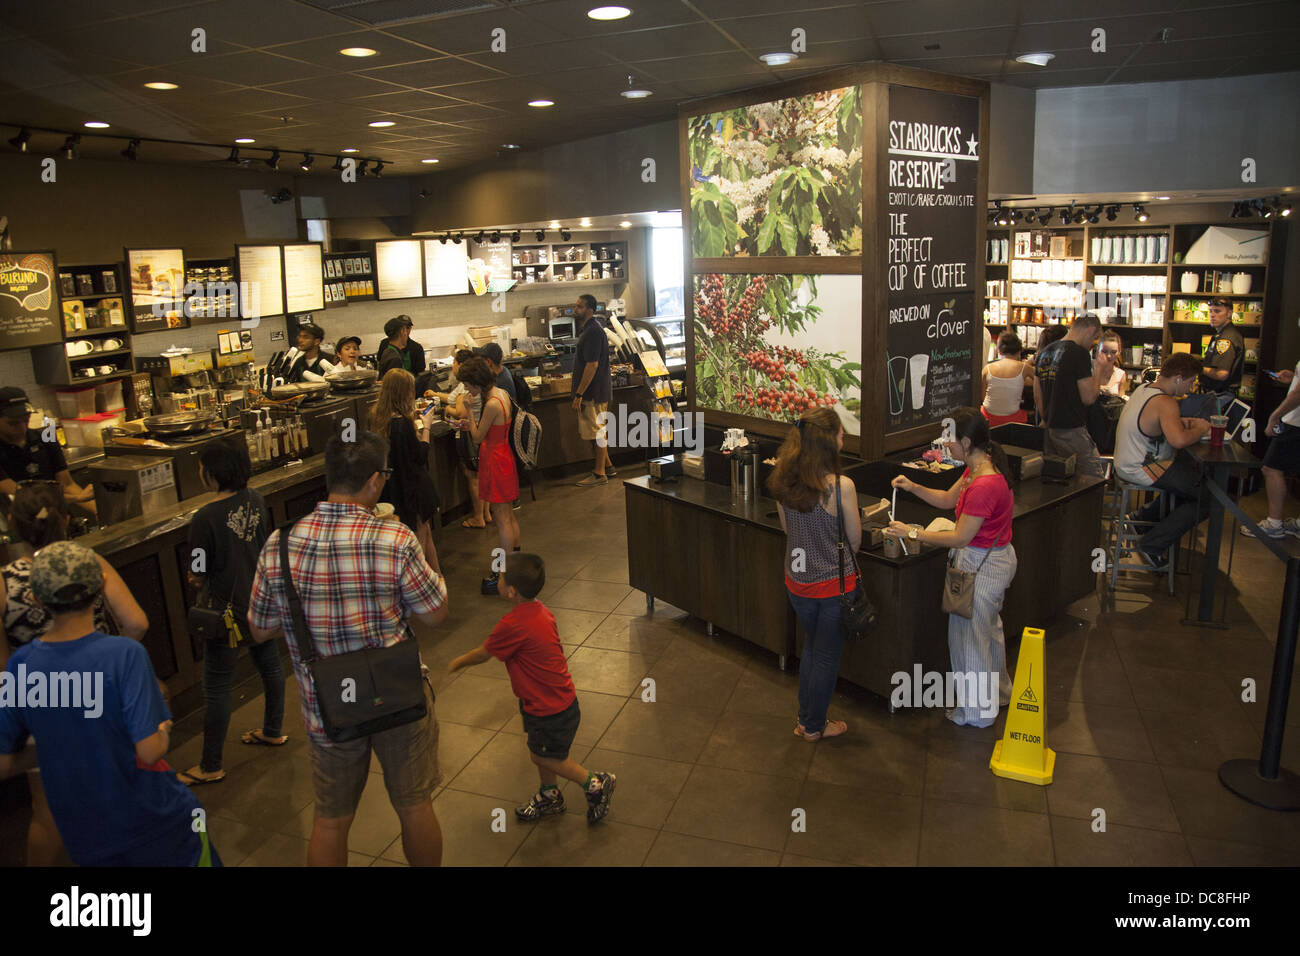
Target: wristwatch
[{"x": 911, "y": 533}]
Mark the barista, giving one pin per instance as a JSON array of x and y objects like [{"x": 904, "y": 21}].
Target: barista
[
  {"x": 347, "y": 353},
  {"x": 311, "y": 365},
  {"x": 398, "y": 347},
  {"x": 1225, "y": 355},
  {"x": 26, "y": 456}
]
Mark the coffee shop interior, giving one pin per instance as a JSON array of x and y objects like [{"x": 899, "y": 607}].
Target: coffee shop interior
[{"x": 202, "y": 198}]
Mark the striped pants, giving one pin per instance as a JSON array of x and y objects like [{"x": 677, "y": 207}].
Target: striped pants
[{"x": 977, "y": 645}]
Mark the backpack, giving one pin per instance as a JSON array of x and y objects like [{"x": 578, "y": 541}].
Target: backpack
[
  {"x": 523, "y": 393},
  {"x": 525, "y": 436}
]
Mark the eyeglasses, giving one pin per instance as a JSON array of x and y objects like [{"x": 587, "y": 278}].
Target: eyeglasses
[{"x": 385, "y": 471}]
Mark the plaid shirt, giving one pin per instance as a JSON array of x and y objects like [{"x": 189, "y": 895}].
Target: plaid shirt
[{"x": 358, "y": 577}]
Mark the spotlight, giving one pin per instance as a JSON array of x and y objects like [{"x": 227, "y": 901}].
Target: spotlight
[
  {"x": 131, "y": 150},
  {"x": 1045, "y": 216},
  {"x": 540, "y": 235},
  {"x": 445, "y": 237},
  {"x": 1236, "y": 211},
  {"x": 1111, "y": 213},
  {"x": 564, "y": 235},
  {"x": 1094, "y": 215},
  {"x": 425, "y": 194},
  {"x": 274, "y": 161},
  {"x": 20, "y": 141},
  {"x": 456, "y": 238},
  {"x": 1266, "y": 210},
  {"x": 1079, "y": 216},
  {"x": 1284, "y": 210},
  {"x": 514, "y": 236},
  {"x": 281, "y": 195},
  {"x": 496, "y": 237},
  {"x": 361, "y": 167},
  {"x": 479, "y": 238},
  {"x": 234, "y": 155},
  {"x": 379, "y": 168},
  {"x": 1065, "y": 216},
  {"x": 307, "y": 160},
  {"x": 69, "y": 147},
  {"x": 1140, "y": 213},
  {"x": 338, "y": 163},
  {"x": 1014, "y": 216}
]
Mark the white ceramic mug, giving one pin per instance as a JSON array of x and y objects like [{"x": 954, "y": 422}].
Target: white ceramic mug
[
  {"x": 1129, "y": 242},
  {"x": 1107, "y": 249},
  {"x": 1241, "y": 283}
]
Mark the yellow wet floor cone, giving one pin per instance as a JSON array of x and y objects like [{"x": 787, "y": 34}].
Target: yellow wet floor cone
[{"x": 1022, "y": 753}]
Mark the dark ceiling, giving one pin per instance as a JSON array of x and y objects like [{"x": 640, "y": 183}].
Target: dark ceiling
[{"x": 272, "y": 70}]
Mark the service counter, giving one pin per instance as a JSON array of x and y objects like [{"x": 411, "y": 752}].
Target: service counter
[
  {"x": 721, "y": 559},
  {"x": 563, "y": 447}
]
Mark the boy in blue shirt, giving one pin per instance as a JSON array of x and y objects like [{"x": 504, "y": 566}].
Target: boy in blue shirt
[{"x": 92, "y": 702}]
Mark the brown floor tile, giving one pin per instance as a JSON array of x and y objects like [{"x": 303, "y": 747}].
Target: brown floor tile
[
  {"x": 587, "y": 595},
  {"x": 601, "y": 671},
  {"x": 468, "y": 839},
  {"x": 647, "y": 786},
  {"x": 872, "y": 759},
  {"x": 1182, "y": 692},
  {"x": 852, "y": 825},
  {"x": 374, "y": 827},
  {"x": 759, "y": 744},
  {"x": 1098, "y": 730},
  {"x": 792, "y": 859},
  {"x": 1078, "y": 845},
  {"x": 605, "y": 567},
  {"x": 569, "y": 840},
  {"x": 1202, "y": 742},
  {"x": 653, "y": 730},
  {"x": 1207, "y": 852},
  {"x": 575, "y": 626},
  {"x": 634, "y": 604},
  {"x": 962, "y": 834},
  {"x": 598, "y": 712},
  {"x": 267, "y": 801},
  {"x": 504, "y": 770},
  {"x": 619, "y": 632},
  {"x": 1206, "y": 808},
  {"x": 958, "y": 770},
  {"x": 694, "y": 677},
  {"x": 281, "y": 850},
  {"x": 1189, "y": 650},
  {"x": 1131, "y": 793},
  {"x": 478, "y": 702},
  {"x": 676, "y": 849},
  {"x": 736, "y": 807},
  {"x": 765, "y": 689}
]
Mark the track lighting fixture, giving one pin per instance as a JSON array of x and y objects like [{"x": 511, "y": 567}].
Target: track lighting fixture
[
  {"x": 1111, "y": 213},
  {"x": 379, "y": 168},
  {"x": 514, "y": 236},
  {"x": 361, "y": 167},
  {"x": 20, "y": 141},
  {"x": 1065, "y": 216},
  {"x": 541, "y": 234},
  {"x": 444, "y": 238},
  {"x": 564, "y": 235},
  {"x": 338, "y": 163},
  {"x": 424, "y": 194},
  {"x": 307, "y": 160},
  {"x": 456, "y": 238},
  {"x": 281, "y": 195},
  {"x": 480, "y": 237},
  {"x": 234, "y": 155},
  {"x": 274, "y": 161},
  {"x": 1284, "y": 209},
  {"x": 496, "y": 237},
  {"x": 132, "y": 150},
  {"x": 69, "y": 147},
  {"x": 1140, "y": 213}
]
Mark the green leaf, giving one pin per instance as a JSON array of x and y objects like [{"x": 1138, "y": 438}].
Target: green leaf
[
  {"x": 785, "y": 229},
  {"x": 766, "y": 233}
]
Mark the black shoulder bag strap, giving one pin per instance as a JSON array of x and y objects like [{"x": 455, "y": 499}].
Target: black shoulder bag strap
[
  {"x": 301, "y": 636},
  {"x": 839, "y": 518}
]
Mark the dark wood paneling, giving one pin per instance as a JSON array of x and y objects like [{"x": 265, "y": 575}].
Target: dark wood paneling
[
  {"x": 662, "y": 539},
  {"x": 143, "y": 578},
  {"x": 768, "y": 618}
]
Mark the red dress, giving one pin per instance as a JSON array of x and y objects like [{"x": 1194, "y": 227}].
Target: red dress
[{"x": 497, "y": 479}]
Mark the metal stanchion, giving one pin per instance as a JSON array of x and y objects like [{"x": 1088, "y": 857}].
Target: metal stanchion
[{"x": 1264, "y": 782}]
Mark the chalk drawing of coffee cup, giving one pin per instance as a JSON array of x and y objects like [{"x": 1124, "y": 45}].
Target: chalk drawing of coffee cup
[
  {"x": 897, "y": 383},
  {"x": 920, "y": 364}
]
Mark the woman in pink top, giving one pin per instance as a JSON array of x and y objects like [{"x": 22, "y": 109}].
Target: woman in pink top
[{"x": 980, "y": 543}]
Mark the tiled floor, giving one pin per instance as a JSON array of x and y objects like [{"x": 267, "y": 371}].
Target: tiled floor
[{"x": 1141, "y": 712}]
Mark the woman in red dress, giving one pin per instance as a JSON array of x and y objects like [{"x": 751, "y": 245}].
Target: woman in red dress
[{"x": 498, "y": 482}]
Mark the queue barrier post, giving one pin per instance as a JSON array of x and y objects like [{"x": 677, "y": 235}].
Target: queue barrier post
[{"x": 1264, "y": 782}]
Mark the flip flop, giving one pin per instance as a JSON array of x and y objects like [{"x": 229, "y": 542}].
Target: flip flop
[
  {"x": 467, "y": 524},
  {"x": 190, "y": 780},
  {"x": 251, "y": 737}
]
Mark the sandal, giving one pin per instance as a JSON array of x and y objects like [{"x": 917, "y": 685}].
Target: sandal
[
  {"x": 833, "y": 728},
  {"x": 192, "y": 778},
  {"x": 469, "y": 524},
  {"x": 254, "y": 737}
]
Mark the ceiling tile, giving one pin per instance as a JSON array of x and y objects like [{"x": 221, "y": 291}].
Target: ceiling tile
[
  {"x": 728, "y": 9},
  {"x": 251, "y": 67},
  {"x": 500, "y": 90},
  {"x": 912, "y": 17},
  {"x": 324, "y": 51},
  {"x": 250, "y": 100},
  {"x": 1221, "y": 48},
  {"x": 254, "y": 23},
  {"x": 454, "y": 114},
  {"x": 570, "y": 18},
  {"x": 768, "y": 33},
  {"x": 138, "y": 41},
  {"x": 676, "y": 41},
  {"x": 431, "y": 73},
  {"x": 1160, "y": 72},
  {"x": 528, "y": 60},
  {"x": 29, "y": 64},
  {"x": 410, "y": 101},
  {"x": 740, "y": 66},
  {"x": 472, "y": 33},
  {"x": 996, "y": 42},
  {"x": 34, "y": 19},
  {"x": 334, "y": 87}
]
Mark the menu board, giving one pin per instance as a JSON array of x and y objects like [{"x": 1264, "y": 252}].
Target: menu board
[
  {"x": 446, "y": 268},
  {"x": 261, "y": 281},
  {"x": 156, "y": 279},
  {"x": 930, "y": 164},
  {"x": 489, "y": 269},
  {"x": 398, "y": 269},
  {"x": 304, "y": 277},
  {"x": 29, "y": 308}
]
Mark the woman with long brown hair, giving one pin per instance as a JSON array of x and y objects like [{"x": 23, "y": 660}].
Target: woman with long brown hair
[
  {"x": 409, "y": 488},
  {"x": 804, "y": 483}
]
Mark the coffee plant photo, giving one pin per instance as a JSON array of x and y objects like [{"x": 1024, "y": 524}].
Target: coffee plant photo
[
  {"x": 740, "y": 369},
  {"x": 779, "y": 179}
]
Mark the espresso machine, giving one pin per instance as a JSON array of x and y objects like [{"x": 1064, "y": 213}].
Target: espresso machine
[{"x": 183, "y": 380}]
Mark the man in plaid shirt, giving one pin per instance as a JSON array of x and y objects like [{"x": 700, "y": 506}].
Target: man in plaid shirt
[{"x": 359, "y": 579}]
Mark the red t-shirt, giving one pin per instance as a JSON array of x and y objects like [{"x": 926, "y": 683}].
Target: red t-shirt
[
  {"x": 527, "y": 640},
  {"x": 988, "y": 497}
]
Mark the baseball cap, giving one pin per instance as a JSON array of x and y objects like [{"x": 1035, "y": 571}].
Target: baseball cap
[
  {"x": 491, "y": 352},
  {"x": 392, "y": 326},
  {"x": 356, "y": 340},
  {"x": 13, "y": 402},
  {"x": 312, "y": 329},
  {"x": 65, "y": 573},
  {"x": 1221, "y": 303}
]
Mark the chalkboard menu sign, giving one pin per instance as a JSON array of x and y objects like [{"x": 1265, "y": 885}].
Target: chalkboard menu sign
[
  {"x": 29, "y": 305},
  {"x": 930, "y": 167}
]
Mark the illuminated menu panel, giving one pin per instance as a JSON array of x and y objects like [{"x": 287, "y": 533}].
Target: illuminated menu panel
[
  {"x": 445, "y": 268},
  {"x": 399, "y": 269},
  {"x": 261, "y": 281},
  {"x": 304, "y": 278}
]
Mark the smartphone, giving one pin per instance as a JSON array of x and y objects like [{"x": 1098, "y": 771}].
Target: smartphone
[{"x": 1274, "y": 376}]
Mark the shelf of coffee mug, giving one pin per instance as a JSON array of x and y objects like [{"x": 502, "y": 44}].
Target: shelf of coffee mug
[
  {"x": 98, "y": 355},
  {"x": 1235, "y": 325},
  {"x": 1162, "y": 266}
]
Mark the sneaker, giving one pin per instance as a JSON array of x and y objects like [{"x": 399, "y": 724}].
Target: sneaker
[
  {"x": 598, "y": 802},
  {"x": 610, "y": 472},
  {"x": 1279, "y": 530},
  {"x": 593, "y": 479},
  {"x": 1155, "y": 562},
  {"x": 489, "y": 586},
  {"x": 539, "y": 805}
]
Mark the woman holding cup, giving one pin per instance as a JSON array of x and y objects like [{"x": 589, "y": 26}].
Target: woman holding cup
[
  {"x": 981, "y": 543},
  {"x": 410, "y": 488}
]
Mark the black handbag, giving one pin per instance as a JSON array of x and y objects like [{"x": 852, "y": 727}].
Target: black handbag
[
  {"x": 210, "y": 622},
  {"x": 362, "y": 692},
  {"x": 857, "y": 613}
]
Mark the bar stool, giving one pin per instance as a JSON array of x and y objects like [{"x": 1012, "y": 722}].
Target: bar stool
[{"x": 1125, "y": 532}]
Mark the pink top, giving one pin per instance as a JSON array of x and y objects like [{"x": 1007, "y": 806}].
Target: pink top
[{"x": 988, "y": 497}]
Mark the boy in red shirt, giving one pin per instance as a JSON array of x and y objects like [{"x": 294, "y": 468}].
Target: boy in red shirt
[{"x": 527, "y": 641}]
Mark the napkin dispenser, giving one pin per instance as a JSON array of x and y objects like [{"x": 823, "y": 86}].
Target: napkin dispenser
[
  {"x": 875, "y": 519},
  {"x": 1025, "y": 462},
  {"x": 666, "y": 467},
  {"x": 1054, "y": 467}
]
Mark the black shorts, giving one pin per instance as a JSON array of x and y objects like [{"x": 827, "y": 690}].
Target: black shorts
[
  {"x": 1284, "y": 450},
  {"x": 552, "y": 736}
]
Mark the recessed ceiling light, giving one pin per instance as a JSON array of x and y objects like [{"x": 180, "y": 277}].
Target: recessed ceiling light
[
  {"x": 379, "y": 123},
  {"x": 162, "y": 86},
  {"x": 778, "y": 59},
  {"x": 608, "y": 13},
  {"x": 625, "y": 224},
  {"x": 96, "y": 124},
  {"x": 584, "y": 221},
  {"x": 350, "y": 149},
  {"x": 1036, "y": 59},
  {"x": 636, "y": 94},
  {"x": 428, "y": 162},
  {"x": 509, "y": 145},
  {"x": 246, "y": 140},
  {"x": 357, "y": 51},
  {"x": 1162, "y": 197},
  {"x": 541, "y": 103}
]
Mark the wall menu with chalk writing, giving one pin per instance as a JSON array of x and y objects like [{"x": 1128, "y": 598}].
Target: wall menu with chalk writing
[
  {"x": 930, "y": 164},
  {"x": 29, "y": 302}
]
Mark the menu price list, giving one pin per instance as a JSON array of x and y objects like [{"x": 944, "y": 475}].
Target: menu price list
[{"x": 931, "y": 171}]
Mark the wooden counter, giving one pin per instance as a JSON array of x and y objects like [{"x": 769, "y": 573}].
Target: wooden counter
[{"x": 723, "y": 560}]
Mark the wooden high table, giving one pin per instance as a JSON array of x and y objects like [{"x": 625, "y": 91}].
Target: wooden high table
[{"x": 723, "y": 559}]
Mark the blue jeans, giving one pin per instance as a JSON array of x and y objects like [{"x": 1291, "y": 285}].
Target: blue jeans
[
  {"x": 218, "y": 681},
  {"x": 820, "y": 665}
]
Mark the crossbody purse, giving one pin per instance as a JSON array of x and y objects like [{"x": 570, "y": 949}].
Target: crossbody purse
[
  {"x": 857, "y": 613},
  {"x": 361, "y": 692},
  {"x": 959, "y": 587}
]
